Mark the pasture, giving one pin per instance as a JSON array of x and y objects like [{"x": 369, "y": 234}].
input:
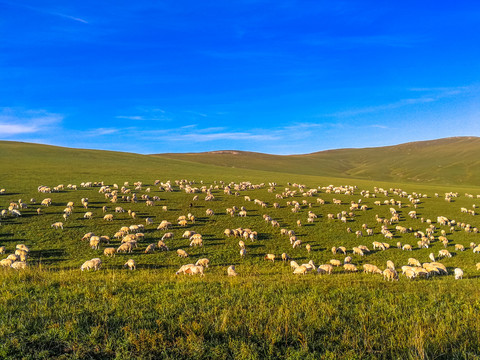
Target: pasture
[{"x": 53, "y": 309}]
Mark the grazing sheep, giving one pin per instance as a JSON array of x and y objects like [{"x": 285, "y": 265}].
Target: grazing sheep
[
  {"x": 348, "y": 259},
  {"x": 196, "y": 241},
  {"x": 183, "y": 268},
  {"x": 444, "y": 253},
  {"x": 476, "y": 249},
  {"x": 325, "y": 269},
  {"x": 458, "y": 273},
  {"x": 334, "y": 250},
  {"x": 150, "y": 249},
  {"x": 297, "y": 243},
  {"x": 350, "y": 267},
  {"x": 477, "y": 265},
  {"x": 459, "y": 247},
  {"x": 410, "y": 274},
  {"x": 407, "y": 247},
  {"x": 300, "y": 270},
  {"x": 285, "y": 257},
  {"x": 19, "y": 265},
  {"x": 369, "y": 268},
  {"x": 204, "y": 262},
  {"x": 94, "y": 242},
  {"x": 194, "y": 270},
  {"x": 308, "y": 247},
  {"x": 358, "y": 251},
  {"x": 269, "y": 257},
  {"x": 90, "y": 264},
  {"x": 182, "y": 253},
  {"x": 125, "y": 247},
  {"x": 2, "y": 249},
  {"x": 390, "y": 265},
  {"x": 131, "y": 264},
  {"x": 6, "y": 262},
  {"x": 243, "y": 252},
  {"x": 389, "y": 274},
  {"x": 335, "y": 262},
  {"x": 57, "y": 225},
  {"x": 167, "y": 235},
  {"x": 22, "y": 247},
  {"x": 414, "y": 262},
  {"x": 231, "y": 271},
  {"x": 88, "y": 215},
  {"x": 110, "y": 251},
  {"x": 342, "y": 249},
  {"x": 293, "y": 264}
]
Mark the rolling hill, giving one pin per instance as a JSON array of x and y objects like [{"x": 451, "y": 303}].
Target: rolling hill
[{"x": 444, "y": 161}]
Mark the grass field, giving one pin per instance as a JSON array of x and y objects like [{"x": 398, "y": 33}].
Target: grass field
[{"x": 52, "y": 309}]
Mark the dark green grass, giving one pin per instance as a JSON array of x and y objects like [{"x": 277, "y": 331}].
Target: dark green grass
[{"x": 54, "y": 310}]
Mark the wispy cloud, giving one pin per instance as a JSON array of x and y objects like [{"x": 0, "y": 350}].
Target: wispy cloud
[
  {"x": 45, "y": 11},
  {"x": 14, "y": 121}
]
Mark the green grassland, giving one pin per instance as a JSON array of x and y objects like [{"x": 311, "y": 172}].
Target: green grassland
[
  {"x": 444, "y": 161},
  {"x": 53, "y": 310}
]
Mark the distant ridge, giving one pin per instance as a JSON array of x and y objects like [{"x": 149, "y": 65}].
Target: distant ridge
[
  {"x": 453, "y": 160},
  {"x": 447, "y": 161}
]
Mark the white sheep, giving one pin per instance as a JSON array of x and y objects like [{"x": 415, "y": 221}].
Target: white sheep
[
  {"x": 458, "y": 273},
  {"x": 19, "y": 265},
  {"x": 231, "y": 271},
  {"x": 204, "y": 262},
  {"x": 57, "y": 225},
  {"x": 109, "y": 251},
  {"x": 182, "y": 253},
  {"x": 131, "y": 264},
  {"x": 269, "y": 257}
]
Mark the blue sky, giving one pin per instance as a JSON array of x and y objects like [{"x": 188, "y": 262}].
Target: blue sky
[{"x": 280, "y": 77}]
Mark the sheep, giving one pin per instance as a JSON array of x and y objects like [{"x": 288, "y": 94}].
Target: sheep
[
  {"x": 150, "y": 249},
  {"x": 164, "y": 225},
  {"x": 162, "y": 246},
  {"x": 308, "y": 247},
  {"x": 390, "y": 265},
  {"x": 182, "y": 253},
  {"x": 197, "y": 241},
  {"x": 459, "y": 247},
  {"x": 13, "y": 257},
  {"x": 476, "y": 249},
  {"x": 90, "y": 264},
  {"x": 19, "y": 265},
  {"x": 2, "y": 249},
  {"x": 350, "y": 267},
  {"x": 6, "y": 262},
  {"x": 131, "y": 264},
  {"x": 477, "y": 265},
  {"x": 369, "y": 268},
  {"x": 389, "y": 274},
  {"x": 335, "y": 262},
  {"x": 269, "y": 257},
  {"x": 407, "y": 247},
  {"x": 88, "y": 215},
  {"x": 110, "y": 251},
  {"x": 183, "y": 268},
  {"x": 94, "y": 242},
  {"x": 347, "y": 259},
  {"x": 358, "y": 251},
  {"x": 297, "y": 243},
  {"x": 243, "y": 252},
  {"x": 414, "y": 262},
  {"x": 410, "y": 274},
  {"x": 125, "y": 247},
  {"x": 22, "y": 247},
  {"x": 342, "y": 249},
  {"x": 231, "y": 271},
  {"x": 285, "y": 257},
  {"x": 194, "y": 270},
  {"x": 458, "y": 273},
  {"x": 444, "y": 253},
  {"x": 57, "y": 225},
  {"x": 167, "y": 235},
  {"x": 204, "y": 262},
  {"x": 300, "y": 270},
  {"x": 325, "y": 269}
]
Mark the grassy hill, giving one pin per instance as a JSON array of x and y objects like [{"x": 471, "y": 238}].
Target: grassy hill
[
  {"x": 444, "y": 161},
  {"x": 53, "y": 310}
]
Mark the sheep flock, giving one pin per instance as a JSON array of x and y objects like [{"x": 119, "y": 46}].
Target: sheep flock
[{"x": 389, "y": 233}]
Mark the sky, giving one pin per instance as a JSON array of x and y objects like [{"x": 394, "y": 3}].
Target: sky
[{"x": 281, "y": 77}]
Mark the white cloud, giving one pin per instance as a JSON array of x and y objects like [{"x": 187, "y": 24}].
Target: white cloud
[{"x": 14, "y": 121}]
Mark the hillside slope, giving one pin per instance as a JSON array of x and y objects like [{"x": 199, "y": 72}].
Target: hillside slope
[{"x": 444, "y": 161}]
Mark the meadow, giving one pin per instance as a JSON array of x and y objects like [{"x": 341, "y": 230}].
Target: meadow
[{"x": 54, "y": 310}]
